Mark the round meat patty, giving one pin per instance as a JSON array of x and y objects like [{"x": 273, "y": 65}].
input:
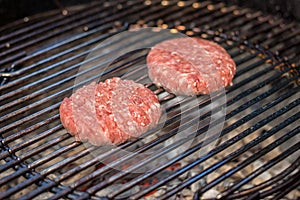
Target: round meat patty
[
  {"x": 190, "y": 66},
  {"x": 110, "y": 112}
]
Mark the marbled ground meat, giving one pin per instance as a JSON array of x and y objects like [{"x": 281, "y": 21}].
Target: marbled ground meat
[
  {"x": 190, "y": 66},
  {"x": 110, "y": 112}
]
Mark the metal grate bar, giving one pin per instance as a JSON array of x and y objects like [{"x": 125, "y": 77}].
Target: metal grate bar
[
  {"x": 13, "y": 93},
  {"x": 6, "y": 179},
  {"x": 142, "y": 178},
  {"x": 13, "y": 26},
  {"x": 22, "y": 157},
  {"x": 262, "y": 169},
  {"x": 251, "y": 159},
  {"x": 155, "y": 171},
  {"x": 134, "y": 9},
  {"x": 39, "y": 190},
  {"x": 70, "y": 88},
  {"x": 212, "y": 14},
  {"x": 253, "y": 89},
  {"x": 93, "y": 189},
  {"x": 273, "y": 43},
  {"x": 261, "y": 21},
  {"x": 290, "y": 184},
  {"x": 33, "y": 165},
  {"x": 265, "y": 28},
  {"x": 274, "y": 179},
  {"x": 251, "y": 102},
  {"x": 143, "y": 13},
  {"x": 53, "y": 155},
  {"x": 62, "y": 193},
  {"x": 28, "y": 118},
  {"x": 289, "y": 48},
  {"x": 23, "y": 132},
  {"x": 32, "y": 140},
  {"x": 25, "y": 169},
  {"x": 228, "y": 143},
  {"x": 229, "y": 17},
  {"x": 258, "y": 98},
  {"x": 188, "y": 12},
  {"x": 38, "y": 149},
  {"x": 255, "y": 64},
  {"x": 111, "y": 178},
  {"x": 172, "y": 19},
  {"x": 34, "y": 177},
  {"x": 20, "y": 71},
  {"x": 49, "y": 59},
  {"x": 37, "y": 93},
  {"x": 30, "y": 85},
  {"x": 240, "y": 22},
  {"x": 51, "y": 23},
  {"x": 40, "y": 102},
  {"x": 67, "y": 160},
  {"x": 53, "y": 168},
  {"x": 277, "y": 32},
  {"x": 51, "y": 183},
  {"x": 58, "y": 64},
  {"x": 105, "y": 167},
  {"x": 241, "y": 150},
  {"x": 206, "y": 16},
  {"x": 12, "y": 58},
  {"x": 157, "y": 12},
  {"x": 217, "y": 16}
]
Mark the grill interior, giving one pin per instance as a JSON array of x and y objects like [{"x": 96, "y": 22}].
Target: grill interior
[{"x": 40, "y": 59}]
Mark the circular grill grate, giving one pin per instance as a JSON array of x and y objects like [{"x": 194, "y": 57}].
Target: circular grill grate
[{"x": 38, "y": 154}]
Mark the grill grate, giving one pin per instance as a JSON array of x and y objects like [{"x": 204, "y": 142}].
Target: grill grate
[{"x": 39, "y": 68}]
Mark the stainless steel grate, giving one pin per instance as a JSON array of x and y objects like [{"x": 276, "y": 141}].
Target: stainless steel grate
[{"x": 40, "y": 61}]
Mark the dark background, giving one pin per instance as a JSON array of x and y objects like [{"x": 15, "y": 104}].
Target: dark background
[
  {"x": 11, "y": 10},
  {"x": 286, "y": 8}
]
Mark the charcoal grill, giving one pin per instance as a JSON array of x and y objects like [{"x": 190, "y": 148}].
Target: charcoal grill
[{"x": 40, "y": 58}]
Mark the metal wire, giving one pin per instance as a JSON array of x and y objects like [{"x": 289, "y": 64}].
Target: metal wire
[
  {"x": 251, "y": 159},
  {"x": 218, "y": 149},
  {"x": 262, "y": 169},
  {"x": 103, "y": 19},
  {"x": 163, "y": 139},
  {"x": 238, "y": 18}
]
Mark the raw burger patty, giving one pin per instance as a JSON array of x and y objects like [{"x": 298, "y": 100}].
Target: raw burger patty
[
  {"x": 190, "y": 66},
  {"x": 110, "y": 112}
]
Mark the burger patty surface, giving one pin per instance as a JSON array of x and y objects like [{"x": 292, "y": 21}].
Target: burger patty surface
[
  {"x": 190, "y": 66},
  {"x": 110, "y": 112}
]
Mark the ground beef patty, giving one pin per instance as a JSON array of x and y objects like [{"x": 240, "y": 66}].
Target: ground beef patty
[
  {"x": 110, "y": 112},
  {"x": 190, "y": 66}
]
